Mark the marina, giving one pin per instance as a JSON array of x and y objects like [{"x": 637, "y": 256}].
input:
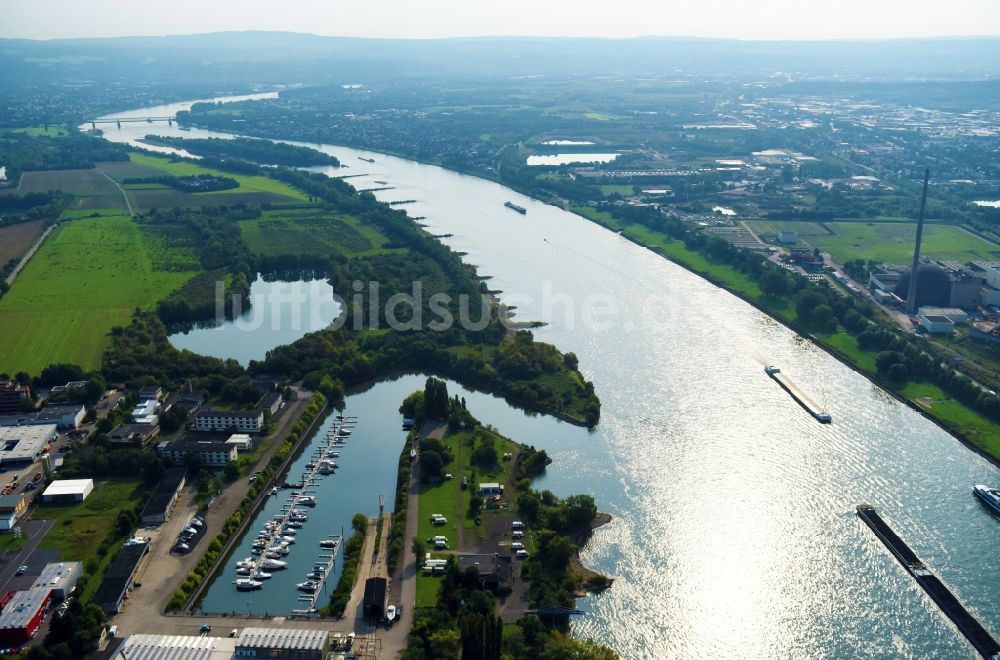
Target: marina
[
  {"x": 798, "y": 395},
  {"x": 275, "y": 540},
  {"x": 967, "y": 624}
]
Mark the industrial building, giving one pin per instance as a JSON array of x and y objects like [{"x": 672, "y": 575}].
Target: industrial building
[
  {"x": 269, "y": 403},
  {"x": 157, "y": 509},
  {"x": 374, "y": 602},
  {"x": 22, "y": 615},
  {"x": 175, "y": 647},
  {"x": 23, "y": 444},
  {"x": 60, "y": 578},
  {"x": 287, "y": 643},
  {"x": 213, "y": 452},
  {"x": 68, "y": 416},
  {"x": 117, "y": 582},
  {"x": 63, "y": 491},
  {"x": 11, "y": 509},
  {"x": 241, "y": 421},
  {"x": 936, "y": 325}
]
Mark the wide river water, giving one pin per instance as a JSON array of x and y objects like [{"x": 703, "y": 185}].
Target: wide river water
[{"x": 734, "y": 532}]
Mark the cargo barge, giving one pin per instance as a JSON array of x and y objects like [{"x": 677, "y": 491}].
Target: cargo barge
[
  {"x": 798, "y": 395},
  {"x": 973, "y": 631},
  {"x": 514, "y": 207}
]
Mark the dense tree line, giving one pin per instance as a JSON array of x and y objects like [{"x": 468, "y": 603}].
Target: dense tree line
[
  {"x": 192, "y": 184},
  {"x": 264, "y": 152},
  {"x": 23, "y": 152}
]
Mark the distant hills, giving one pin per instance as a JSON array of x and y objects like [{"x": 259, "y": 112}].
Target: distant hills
[{"x": 291, "y": 57}]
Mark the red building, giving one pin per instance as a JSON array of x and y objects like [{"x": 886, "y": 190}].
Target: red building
[{"x": 23, "y": 614}]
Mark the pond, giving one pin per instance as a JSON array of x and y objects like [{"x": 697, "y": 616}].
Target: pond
[{"x": 280, "y": 312}]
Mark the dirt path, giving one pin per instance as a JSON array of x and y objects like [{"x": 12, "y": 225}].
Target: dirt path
[
  {"x": 128, "y": 202},
  {"x": 28, "y": 255},
  {"x": 403, "y": 590}
]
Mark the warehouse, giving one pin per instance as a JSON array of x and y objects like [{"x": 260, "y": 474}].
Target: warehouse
[
  {"x": 22, "y": 615},
  {"x": 23, "y": 444},
  {"x": 117, "y": 581},
  {"x": 287, "y": 643},
  {"x": 175, "y": 647},
  {"x": 63, "y": 491},
  {"x": 60, "y": 578},
  {"x": 157, "y": 509}
]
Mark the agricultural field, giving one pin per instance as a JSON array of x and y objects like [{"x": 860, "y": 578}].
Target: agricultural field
[
  {"x": 46, "y": 131},
  {"x": 883, "y": 242},
  {"x": 310, "y": 231},
  {"x": 87, "y": 278},
  {"x": 276, "y": 190},
  {"x": 91, "y": 188},
  {"x": 16, "y": 239}
]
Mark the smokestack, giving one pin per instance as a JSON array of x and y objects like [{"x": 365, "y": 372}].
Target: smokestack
[{"x": 911, "y": 295}]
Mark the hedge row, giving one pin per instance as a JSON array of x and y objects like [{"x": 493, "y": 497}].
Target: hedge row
[
  {"x": 396, "y": 539},
  {"x": 206, "y": 566}
]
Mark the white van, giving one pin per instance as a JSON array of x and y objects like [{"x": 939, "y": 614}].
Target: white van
[
  {"x": 522, "y": 554},
  {"x": 516, "y": 546},
  {"x": 517, "y": 524}
]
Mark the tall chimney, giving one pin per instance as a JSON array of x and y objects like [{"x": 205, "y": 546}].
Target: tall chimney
[{"x": 911, "y": 295}]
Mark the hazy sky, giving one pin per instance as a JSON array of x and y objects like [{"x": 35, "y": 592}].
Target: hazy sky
[{"x": 744, "y": 19}]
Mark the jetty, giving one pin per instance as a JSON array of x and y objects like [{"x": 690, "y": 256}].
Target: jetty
[
  {"x": 798, "y": 395},
  {"x": 967, "y": 624}
]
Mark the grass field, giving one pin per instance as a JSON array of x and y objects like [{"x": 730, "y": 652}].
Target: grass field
[
  {"x": 88, "y": 277},
  {"x": 91, "y": 188},
  {"x": 248, "y": 184},
  {"x": 48, "y": 131},
  {"x": 883, "y": 242},
  {"x": 81, "y": 527},
  {"x": 310, "y": 231},
  {"x": 16, "y": 239}
]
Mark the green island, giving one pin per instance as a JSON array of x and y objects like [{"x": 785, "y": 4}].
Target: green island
[{"x": 470, "y": 597}]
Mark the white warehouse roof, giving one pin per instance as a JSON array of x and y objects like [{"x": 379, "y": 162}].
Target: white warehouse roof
[
  {"x": 175, "y": 647},
  {"x": 69, "y": 487},
  {"x": 296, "y": 639}
]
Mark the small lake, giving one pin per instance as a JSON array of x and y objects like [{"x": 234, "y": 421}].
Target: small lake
[
  {"x": 280, "y": 312},
  {"x": 566, "y": 159}
]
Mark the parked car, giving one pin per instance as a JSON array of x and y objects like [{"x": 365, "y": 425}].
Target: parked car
[
  {"x": 522, "y": 554},
  {"x": 438, "y": 519},
  {"x": 516, "y": 546},
  {"x": 517, "y": 534}
]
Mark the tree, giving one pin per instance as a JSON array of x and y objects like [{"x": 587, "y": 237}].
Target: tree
[
  {"x": 580, "y": 510},
  {"x": 419, "y": 548},
  {"x": 772, "y": 282},
  {"x": 431, "y": 466}
]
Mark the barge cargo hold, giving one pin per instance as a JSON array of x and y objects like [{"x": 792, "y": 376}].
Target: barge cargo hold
[
  {"x": 798, "y": 395},
  {"x": 967, "y": 624}
]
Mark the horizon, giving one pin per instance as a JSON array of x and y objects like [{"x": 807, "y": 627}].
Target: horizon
[
  {"x": 766, "y": 20},
  {"x": 503, "y": 37}
]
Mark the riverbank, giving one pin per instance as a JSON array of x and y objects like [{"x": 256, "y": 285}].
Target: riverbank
[{"x": 594, "y": 581}]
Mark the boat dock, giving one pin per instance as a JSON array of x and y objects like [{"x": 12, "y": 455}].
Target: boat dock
[
  {"x": 967, "y": 624},
  {"x": 798, "y": 395}
]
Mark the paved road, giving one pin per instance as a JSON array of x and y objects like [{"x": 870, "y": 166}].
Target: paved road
[
  {"x": 404, "y": 587},
  {"x": 27, "y": 257},
  {"x": 35, "y": 530},
  {"x": 161, "y": 573}
]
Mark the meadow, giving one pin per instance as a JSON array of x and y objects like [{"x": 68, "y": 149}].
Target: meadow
[
  {"x": 91, "y": 188},
  {"x": 248, "y": 184},
  {"x": 310, "y": 231},
  {"x": 87, "y": 278},
  {"x": 883, "y": 242}
]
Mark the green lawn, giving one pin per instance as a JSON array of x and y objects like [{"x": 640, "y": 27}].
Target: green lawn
[
  {"x": 977, "y": 429},
  {"x": 88, "y": 277},
  {"x": 624, "y": 191},
  {"x": 259, "y": 184},
  {"x": 39, "y": 131},
  {"x": 883, "y": 242},
  {"x": 448, "y": 498},
  {"x": 81, "y": 527},
  {"x": 428, "y": 587}
]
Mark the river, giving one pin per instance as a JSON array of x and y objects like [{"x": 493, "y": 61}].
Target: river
[{"x": 734, "y": 532}]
